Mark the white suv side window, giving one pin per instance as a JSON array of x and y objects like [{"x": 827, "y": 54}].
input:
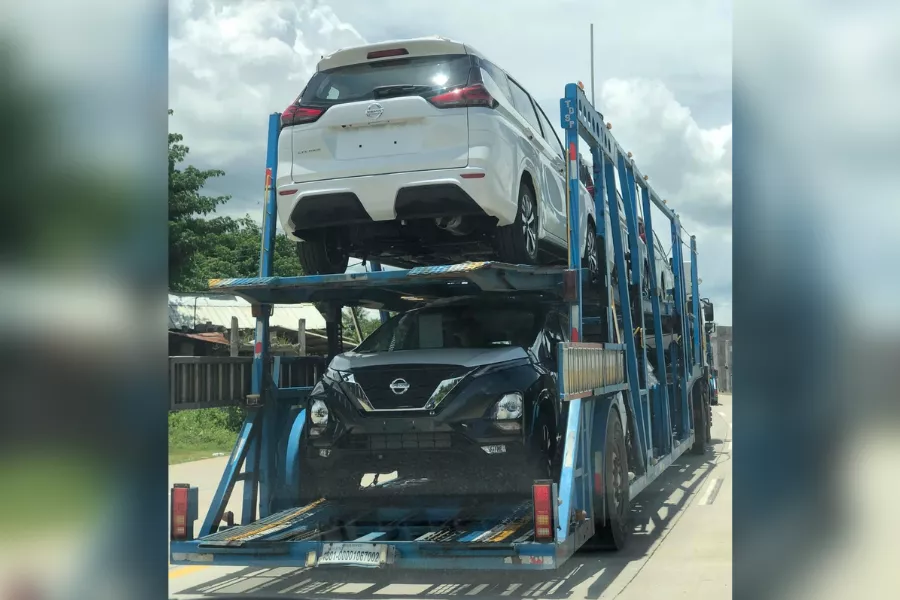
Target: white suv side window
[
  {"x": 497, "y": 75},
  {"x": 550, "y": 134},
  {"x": 523, "y": 104}
]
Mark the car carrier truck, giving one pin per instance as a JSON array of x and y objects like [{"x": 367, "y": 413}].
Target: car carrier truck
[{"x": 632, "y": 374}]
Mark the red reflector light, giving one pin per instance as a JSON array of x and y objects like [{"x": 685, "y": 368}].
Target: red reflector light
[
  {"x": 473, "y": 95},
  {"x": 297, "y": 115},
  {"x": 471, "y": 175},
  {"x": 179, "y": 511},
  {"x": 386, "y": 53},
  {"x": 287, "y": 192},
  {"x": 543, "y": 511}
]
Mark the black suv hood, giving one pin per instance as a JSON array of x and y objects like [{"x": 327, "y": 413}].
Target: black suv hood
[{"x": 462, "y": 357}]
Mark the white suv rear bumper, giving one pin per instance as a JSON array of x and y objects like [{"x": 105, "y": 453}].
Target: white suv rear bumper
[{"x": 378, "y": 194}]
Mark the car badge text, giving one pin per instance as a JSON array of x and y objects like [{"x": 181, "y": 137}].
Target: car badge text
[
  {"x": 399, "y": 386},
  {"x": 374, "y": 111}
]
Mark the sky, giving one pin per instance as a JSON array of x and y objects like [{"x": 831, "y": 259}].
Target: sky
[{"x": 662, "y": 73}]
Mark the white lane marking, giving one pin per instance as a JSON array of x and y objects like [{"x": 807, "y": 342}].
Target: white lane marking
[
  {"x": 403, "y": 589},
  {"x": 513, "y": 587},
  {"x": 295, "y": 586},
  {"x": 477, "y": 589},
  {"x": 352, "y": 588},
  {"x": 706, "y": 498},
  {"x": 219, "y": 585}
]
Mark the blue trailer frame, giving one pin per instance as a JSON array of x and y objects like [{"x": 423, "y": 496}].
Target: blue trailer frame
[{"x": 597, "y": 380}]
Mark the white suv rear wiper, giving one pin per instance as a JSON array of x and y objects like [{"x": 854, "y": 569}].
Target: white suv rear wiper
[{"x": 386, "y": 91}]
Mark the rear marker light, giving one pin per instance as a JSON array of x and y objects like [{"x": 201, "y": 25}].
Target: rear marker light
[
  {"x": 543, "y": 511},
  {"x": 386, "y": 53},
  {"x": 297, "y": 115},
  {"x": 472, "y": 175},
  {"x": 179, "y": 511},
  {"x": 473, "y": 95},
  {"x": 287, "y": 192}
]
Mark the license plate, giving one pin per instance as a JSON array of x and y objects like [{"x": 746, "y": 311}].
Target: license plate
[{"x": 357, "y": 555}]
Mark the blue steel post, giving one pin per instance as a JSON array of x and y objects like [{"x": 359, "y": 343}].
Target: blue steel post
[
  {"x": 570, "y": 124},
  {"x": 567, "y": 483},
  {"x": 642, "y": 363},
  {"x": 663, "y": 425},
  {"x": 680, "y": 300},
  {"x": 567, "y": 479},
  {"x": 630, "y": 219},
  {"x": 382, "y": 314},
  {"x": 695, "y": 291},
  {"x": 260, "y": 385},
  {"x": 602, "y": 216},
  {"x": 626, "y": 181},
  {"x": 634, "y": 385}
]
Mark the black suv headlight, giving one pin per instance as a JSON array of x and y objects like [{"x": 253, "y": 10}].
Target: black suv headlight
[{"x": 507, "y": 412}]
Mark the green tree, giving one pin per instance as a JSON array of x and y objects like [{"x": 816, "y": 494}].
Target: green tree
[
  {"x": 203, "y": 245},
  {"x": 236, "y": 253},
  {"x": 192, "y": 229},
  {"x": 367, "y": 323}
]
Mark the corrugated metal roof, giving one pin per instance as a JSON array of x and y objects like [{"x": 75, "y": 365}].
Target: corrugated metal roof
[
  {"x": 191, "y": 310},
  {"x": 213, "y": 337}
]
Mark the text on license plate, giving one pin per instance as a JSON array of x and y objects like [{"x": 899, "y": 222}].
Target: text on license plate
[{"x": 363, "y": 555}]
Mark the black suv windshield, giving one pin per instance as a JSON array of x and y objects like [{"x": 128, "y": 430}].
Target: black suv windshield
[
  {"x": 391, "y": 78},
  {"x": 456, "y": 326}
]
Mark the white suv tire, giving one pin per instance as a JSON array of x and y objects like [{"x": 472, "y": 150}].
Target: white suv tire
[
  {"x": 518, "y": 243},
  {"x": 318, "y": 258}
]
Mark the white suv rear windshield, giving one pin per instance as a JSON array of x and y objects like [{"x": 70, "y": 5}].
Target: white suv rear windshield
[{"x": 422, "y": 75}]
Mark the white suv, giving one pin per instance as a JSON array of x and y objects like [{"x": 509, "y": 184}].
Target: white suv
[{"x": 422, "y": 152}]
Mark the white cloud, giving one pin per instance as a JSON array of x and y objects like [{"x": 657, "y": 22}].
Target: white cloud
[
  {"x": 232, "y": 64},
  {"x": 663, "y": 79}
]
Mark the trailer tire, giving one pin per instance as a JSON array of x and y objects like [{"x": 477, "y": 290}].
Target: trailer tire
[
  {"x": 319, "y": 257},
  {"x": 616, "y": 530},
  {"x": 702, "y": 419}
]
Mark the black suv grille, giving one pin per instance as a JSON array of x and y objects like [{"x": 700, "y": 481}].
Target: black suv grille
[
  {"x": 401, "y": 441},
  {"x": 422, "y": 380}
]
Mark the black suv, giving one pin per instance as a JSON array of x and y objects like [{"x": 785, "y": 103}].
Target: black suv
[{"x": 459, "y": 395}]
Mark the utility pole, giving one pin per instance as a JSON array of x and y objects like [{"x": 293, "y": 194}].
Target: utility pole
[{"x": 592, "y": 65}]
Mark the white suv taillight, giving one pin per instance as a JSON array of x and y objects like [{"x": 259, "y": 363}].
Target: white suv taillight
[
  {"x": 295, "y": 114},
  {"x": 473, "y": 95}
]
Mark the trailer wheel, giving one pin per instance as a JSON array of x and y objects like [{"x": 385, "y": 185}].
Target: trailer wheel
[
  {"x": 702, "y": 419},
  {"x": 614, "y": 534},
  {"x": 543, "y": 447}
]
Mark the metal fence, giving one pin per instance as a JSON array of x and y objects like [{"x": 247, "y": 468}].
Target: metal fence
[
  {"x": 216, "y": 381},
  {"x": 589, "y": 367}
]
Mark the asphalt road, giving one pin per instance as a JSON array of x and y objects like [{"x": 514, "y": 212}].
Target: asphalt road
[{"x": 681, "y": 548}]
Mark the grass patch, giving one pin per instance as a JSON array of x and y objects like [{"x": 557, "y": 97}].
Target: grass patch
[
  {"x": 198, "y": 434},
  {"x": 50, "y": 492}
]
